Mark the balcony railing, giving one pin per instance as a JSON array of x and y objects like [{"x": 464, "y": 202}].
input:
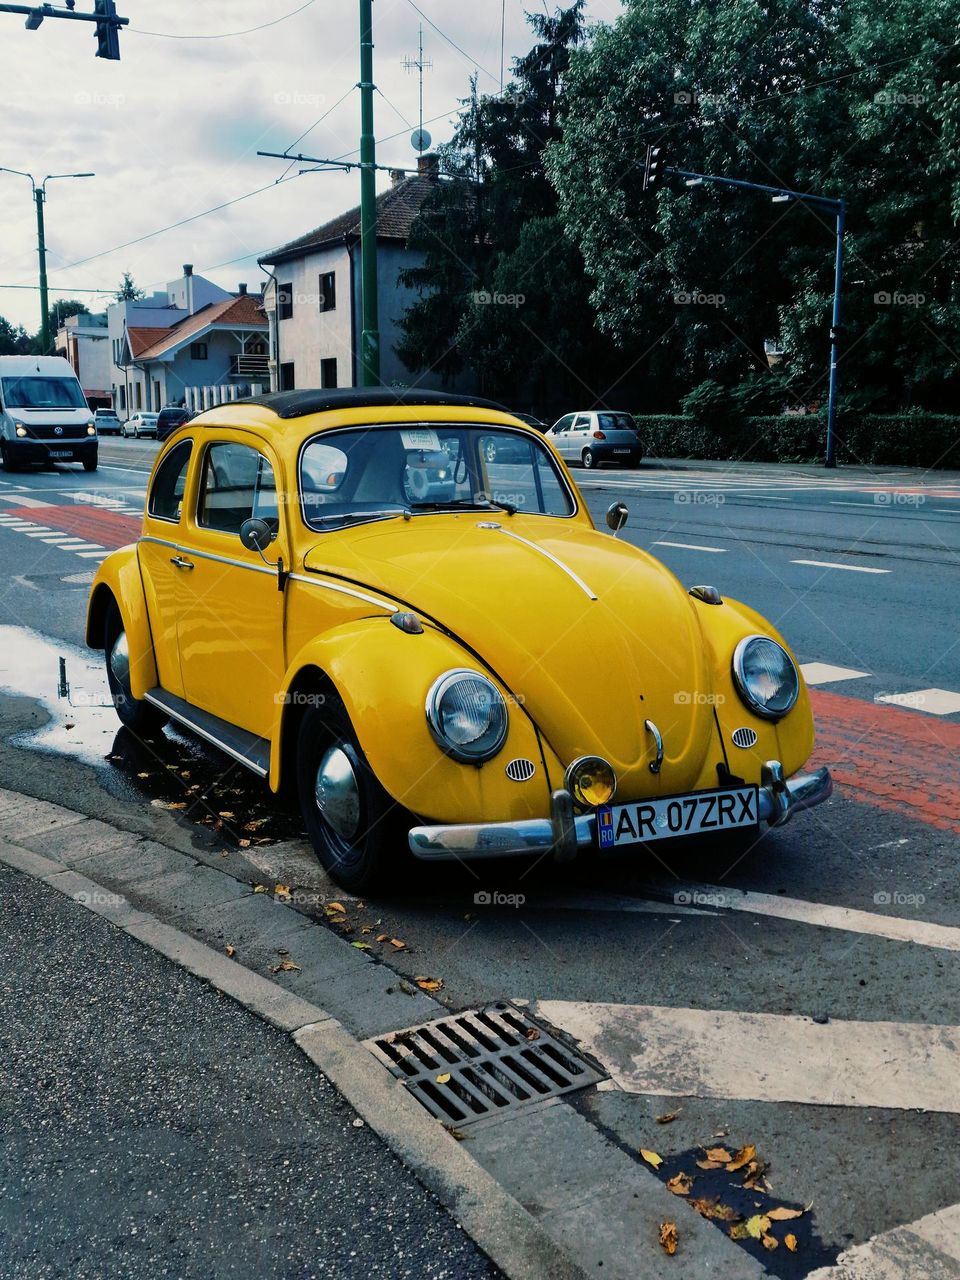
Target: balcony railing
[{"x": 244, "y": 366}]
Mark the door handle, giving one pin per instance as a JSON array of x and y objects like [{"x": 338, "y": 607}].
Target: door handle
[{"x": 180, "y": 563}]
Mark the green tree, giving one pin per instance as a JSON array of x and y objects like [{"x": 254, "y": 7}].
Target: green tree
[
  {"x": 14, "y": 340},
  {"x": 858, "y": 101},
  {"x": 128, "y": 291},
  {"x": 58, "y": 314}
]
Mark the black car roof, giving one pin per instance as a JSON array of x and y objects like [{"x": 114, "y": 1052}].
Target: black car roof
[{"x": 297, "y": 404}]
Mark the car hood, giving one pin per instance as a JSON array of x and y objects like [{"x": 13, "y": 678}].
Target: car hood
[{"x": 591, "y": 636}]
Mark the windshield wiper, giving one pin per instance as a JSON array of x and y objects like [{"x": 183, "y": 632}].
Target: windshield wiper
[
  {"x": 485, "y": 505},
  {"x": 363, "y": 515}
]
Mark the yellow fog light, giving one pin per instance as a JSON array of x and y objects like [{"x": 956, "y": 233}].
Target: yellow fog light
[{"x": 591, "y": 781}]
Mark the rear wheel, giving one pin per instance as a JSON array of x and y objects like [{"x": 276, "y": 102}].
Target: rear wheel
[
  {"x": 140, "y": 717},
  {"x": 589, "y": 459},
  {"x": 357, "y": 831}
]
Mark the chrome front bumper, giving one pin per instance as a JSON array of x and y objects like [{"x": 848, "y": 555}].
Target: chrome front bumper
[{"x": 565, "y": 833}]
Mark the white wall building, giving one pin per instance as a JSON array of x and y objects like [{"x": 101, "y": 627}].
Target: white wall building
[{"x": 84, "y": 341}]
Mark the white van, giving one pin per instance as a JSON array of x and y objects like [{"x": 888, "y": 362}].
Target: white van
[{"x": 43, "y": 414}]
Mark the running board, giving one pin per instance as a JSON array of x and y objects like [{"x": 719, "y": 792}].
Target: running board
[{"x": 246, "y": 748}]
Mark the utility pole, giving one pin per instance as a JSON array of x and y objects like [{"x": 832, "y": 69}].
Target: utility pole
[
  {"x": 655, "y": 168},
  {"x": 40, "y": 196},
  {"x": 370, "y": 336}
]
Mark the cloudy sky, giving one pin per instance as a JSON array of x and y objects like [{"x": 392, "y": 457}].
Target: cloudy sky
[{"x": 173, "y": 129}]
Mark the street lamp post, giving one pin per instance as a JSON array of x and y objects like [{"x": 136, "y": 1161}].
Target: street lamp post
[{"x": 39, "y": 196}]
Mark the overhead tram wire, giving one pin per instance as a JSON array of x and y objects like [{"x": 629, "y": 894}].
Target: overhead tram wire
[
  {"x": 319, "y": 121},
  {"x": 222, "y": 35}
]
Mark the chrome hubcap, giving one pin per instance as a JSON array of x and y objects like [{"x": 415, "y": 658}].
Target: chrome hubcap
[
  {"x": 337, "y": 793},
  {"x": 120, "y": 660}
]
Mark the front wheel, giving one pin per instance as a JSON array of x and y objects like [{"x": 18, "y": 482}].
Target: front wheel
[
  {"x": 142, "y": 718},
  {"x": 90, "y": 464},
  {"x": 356, "y": 829},
  {"x": 6, "y": 459},
  {"x": 589, "y": 459}
]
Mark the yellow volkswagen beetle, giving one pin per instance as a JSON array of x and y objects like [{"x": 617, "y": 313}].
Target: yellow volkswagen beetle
[{"x": 342, "y": 592}]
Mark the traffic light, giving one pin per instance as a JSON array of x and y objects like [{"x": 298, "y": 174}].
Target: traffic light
[
  {"x": 654, "y": 168},
  {"x": 108, "y": 33}
]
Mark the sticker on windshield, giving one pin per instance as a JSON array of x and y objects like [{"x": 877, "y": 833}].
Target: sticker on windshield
[{"x": 420, "y": 438}]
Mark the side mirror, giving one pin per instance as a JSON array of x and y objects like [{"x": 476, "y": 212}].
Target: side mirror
[
  {"x": 617, "y": 515},
  {"x": 256, "y": 535}
]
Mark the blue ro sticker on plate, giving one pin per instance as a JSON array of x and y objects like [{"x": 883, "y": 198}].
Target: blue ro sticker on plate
[{"x": 605, "y": 830}]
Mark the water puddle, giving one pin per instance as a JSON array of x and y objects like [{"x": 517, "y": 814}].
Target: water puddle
[{"x": 172, "y": 771}]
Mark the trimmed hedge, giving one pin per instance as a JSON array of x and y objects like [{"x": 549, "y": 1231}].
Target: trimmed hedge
[{"x": 904, "y": 439}]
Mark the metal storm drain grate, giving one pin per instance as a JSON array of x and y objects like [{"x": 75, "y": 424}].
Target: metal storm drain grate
[{"x": 476, "y": 1064}]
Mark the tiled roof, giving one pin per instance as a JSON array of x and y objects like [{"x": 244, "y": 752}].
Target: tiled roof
[
  {"x": 142, "y": 338},
  {"x": 245, "y": 309},
  {"x": 397, "y": 210}
]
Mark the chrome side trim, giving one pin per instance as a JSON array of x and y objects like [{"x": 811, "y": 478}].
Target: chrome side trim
[
  {"x": 207, "y": 736},
  {"x": 549, "y": 555},
  {"x": 312, "y": 581},
  {"x": 210, "y": 555}
]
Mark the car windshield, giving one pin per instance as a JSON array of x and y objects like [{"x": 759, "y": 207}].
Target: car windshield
[
  {"x": 374, "y": 473},
  {"x": 37, "y": 392}
]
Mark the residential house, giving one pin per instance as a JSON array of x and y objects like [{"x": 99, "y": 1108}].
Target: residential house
[
  {"x": 193, "y": 344},
  {"x": 313, "y": 298},
  {"x": 85, "y": 342}
]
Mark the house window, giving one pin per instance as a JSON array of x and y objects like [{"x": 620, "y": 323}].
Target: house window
[
  {"x": 328, "y": 292},
  {"x": 328, "y": 373},
  {"x": 137, "y": 396},
  {"x": 198, "y": 351},
  {"x": 286, "y": 377},
  {"x": 284, "y": 302}
]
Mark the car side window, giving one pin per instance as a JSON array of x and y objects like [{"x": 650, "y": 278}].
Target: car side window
[
  {"x": 170, "y": 482},
  {"x": 564, "y": 424},
  {"x": 582, "y": 422},
  {"x": 237, "y": 484}
]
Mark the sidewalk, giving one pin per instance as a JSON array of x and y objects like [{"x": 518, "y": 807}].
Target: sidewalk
[
  {"x": 152, "y": 1127},
  {"x": 843, "y": 472}
]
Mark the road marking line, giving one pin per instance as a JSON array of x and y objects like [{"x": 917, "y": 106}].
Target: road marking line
[
  {"x": 935, "y": 702},
  {"x": 851, "y": 568},
  {"x": 824, "y": 673},
  {"x": 22, "y": 500},
  {"x": 837, "y": 502},
  {"x": 691, "y": 546},
  {"x": 766, "y": 1057},
  {"x": 89, "y": 555},
  {"x": 40, "y": 531},
  {"x": 930, "y": 1246}
]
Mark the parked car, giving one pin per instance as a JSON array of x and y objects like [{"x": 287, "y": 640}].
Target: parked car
[
  {"x": 514, "y": 448},
  {"x": 106, "y": 422},
  {"x": 169, "y": 418},
  {"x": 44, "y": 416},
  {"x": 597, "y": 436},
  {"x": 329, "y": 586},
  {"x": 141, "y": 424}
]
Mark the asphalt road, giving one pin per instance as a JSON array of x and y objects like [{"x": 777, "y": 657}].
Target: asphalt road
[{"x": 848, "y": 919}]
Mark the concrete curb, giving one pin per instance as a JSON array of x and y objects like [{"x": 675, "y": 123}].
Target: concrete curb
[{"x": 494, "y": 1219}]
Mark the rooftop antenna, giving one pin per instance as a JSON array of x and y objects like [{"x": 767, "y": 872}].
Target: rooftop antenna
[{"x": 421, "y": 139}]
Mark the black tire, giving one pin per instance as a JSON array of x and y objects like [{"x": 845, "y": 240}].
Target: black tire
[
  {"x": 90, "y": 464},
  {"x": 6, "y": 459},
  {"x": 369, "y": 848},
  {"x": 140, "y": 717},
  {"x": 589, "y": 459}
]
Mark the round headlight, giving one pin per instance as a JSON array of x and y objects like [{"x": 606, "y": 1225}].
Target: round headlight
[
  {"x": 467, "y": 716},
  {"x": 91, "y": 429},
  {"x": 21, "y": 429},
  {"x": 591, "y": 781},
  {"x": 766, "y": 676}
]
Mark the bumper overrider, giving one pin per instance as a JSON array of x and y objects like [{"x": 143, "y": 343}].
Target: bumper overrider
[{"x": 565, "y": 832}]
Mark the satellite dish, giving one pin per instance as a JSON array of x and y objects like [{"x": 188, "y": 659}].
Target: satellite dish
[{"x": 420, "y": 140}]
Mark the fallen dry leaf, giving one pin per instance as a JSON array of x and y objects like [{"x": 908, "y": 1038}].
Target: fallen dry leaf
[
  {"x": 757, "y": 1226},
  {"x": 259, "y": 888},
  {"x": 532, "y": 1033},
  {"x": 680, "y": 1184},
  {"x": 382, "y": 937},
  {"x": 142, "y": 775},
  {"x": 669, "y": 1239},
  {"x": 651, "y": 1157},
  {"x": 743, "y": 1156},
  {"x": 720, "y": 1154},
  {"x": 668, "y": 1118},
  {"x": 230, "y": 950},
  {"x": 397, "y": 944},
  {"x": 444, "y": 1078},
  {"x": 281, "y": 890},
  {"x": 226, "y": 813},
  {"x": 362, "y": 946},
  {"x": 714, "y": 1209},
  {"x": 334, "y": 906},
  {"x": 709, "y": 1164},
  {"x": 783, "y": 1214},
  {"x": 790, "y": 1240},
  {"x": 769, "y": 1242},
  {"x": 286, "y": 966},
  {"x": 429, "y": 984}
]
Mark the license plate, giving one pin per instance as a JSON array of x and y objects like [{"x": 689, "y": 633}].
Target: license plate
[
  {"x": 621, "y": 451},
  {"x": 697, "y": 814},
  {"x": 61, "y": 453}
]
